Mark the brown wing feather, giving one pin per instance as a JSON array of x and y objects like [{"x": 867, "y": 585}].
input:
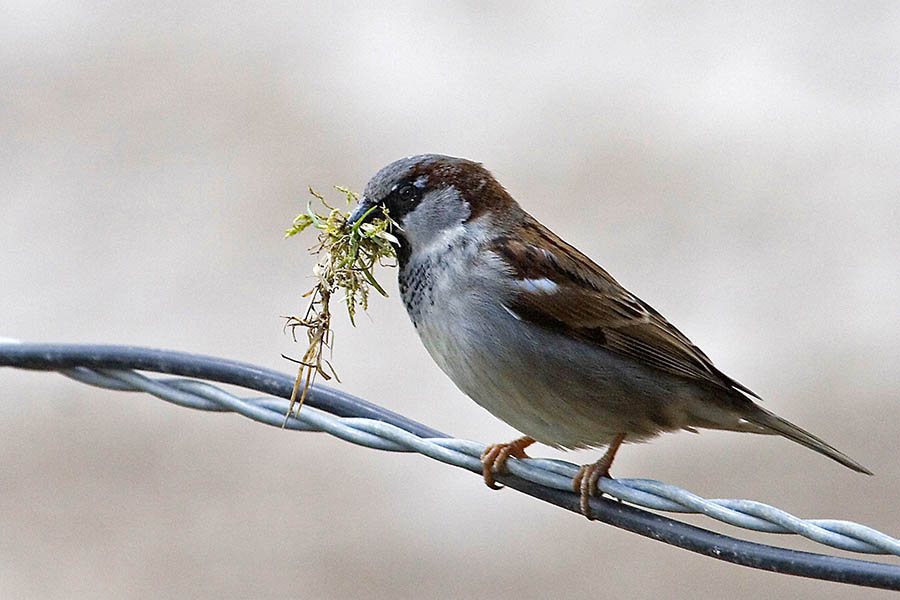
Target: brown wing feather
[{"x": 590, "y": 305}]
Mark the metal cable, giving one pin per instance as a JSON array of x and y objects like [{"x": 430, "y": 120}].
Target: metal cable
[{"x": 368, "y": 425}]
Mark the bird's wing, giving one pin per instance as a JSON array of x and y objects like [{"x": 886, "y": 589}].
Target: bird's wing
[{"x": 560, "y": 288}]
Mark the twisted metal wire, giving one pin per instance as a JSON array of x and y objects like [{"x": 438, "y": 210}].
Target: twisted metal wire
[
  {"x": 380, "y": 429},
  {"x": 557, "y": 474}
]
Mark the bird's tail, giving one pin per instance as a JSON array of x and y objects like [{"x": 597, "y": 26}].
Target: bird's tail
[{"x": 775, "y": 424}]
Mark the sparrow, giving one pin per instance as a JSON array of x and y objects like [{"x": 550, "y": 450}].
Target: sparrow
[{"x": 541, "y": 336}]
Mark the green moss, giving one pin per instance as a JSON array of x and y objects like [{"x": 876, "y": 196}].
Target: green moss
[{"x": 347, "y": 254}]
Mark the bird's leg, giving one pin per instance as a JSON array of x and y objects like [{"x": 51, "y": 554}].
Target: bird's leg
[
  {"x": 493, "y": 459},
  {"x": 585, "y": 482}
]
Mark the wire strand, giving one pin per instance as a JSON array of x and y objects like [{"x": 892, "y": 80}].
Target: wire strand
[{"x": 366, "y": 424}]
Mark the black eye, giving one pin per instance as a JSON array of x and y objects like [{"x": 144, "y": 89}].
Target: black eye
[{"x": 408, "y": 193}]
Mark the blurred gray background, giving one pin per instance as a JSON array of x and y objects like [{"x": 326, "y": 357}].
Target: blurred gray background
[{"x": 736, "y": 168}]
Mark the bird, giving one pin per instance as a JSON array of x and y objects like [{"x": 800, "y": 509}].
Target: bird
[{"x": 541, "y": 336}]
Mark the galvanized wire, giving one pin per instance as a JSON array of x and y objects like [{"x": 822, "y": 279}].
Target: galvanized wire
[
  {"x": 557, "y": 474},
  {"x": 377, "y": 431}
]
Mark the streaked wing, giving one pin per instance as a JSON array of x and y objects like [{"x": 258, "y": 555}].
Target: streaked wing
[{"x": 562, "y": 289}]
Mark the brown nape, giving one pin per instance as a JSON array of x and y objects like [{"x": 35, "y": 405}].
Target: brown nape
[{"x": 475, "y": 184}]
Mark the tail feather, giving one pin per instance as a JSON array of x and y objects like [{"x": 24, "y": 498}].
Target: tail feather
[{"x": 776, "y": 424}]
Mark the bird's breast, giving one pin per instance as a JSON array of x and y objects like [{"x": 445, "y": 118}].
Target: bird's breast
[
  {"x": 559, "y": 390},
  {"x": 434, "y": 279}
]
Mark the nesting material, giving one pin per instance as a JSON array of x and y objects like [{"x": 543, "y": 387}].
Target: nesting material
[{"x": 347, "y": 254}]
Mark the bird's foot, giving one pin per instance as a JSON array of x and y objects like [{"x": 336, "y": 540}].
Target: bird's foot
[
  {"x": 585, "y": 481},
  {"x": 494, "y": 457}
]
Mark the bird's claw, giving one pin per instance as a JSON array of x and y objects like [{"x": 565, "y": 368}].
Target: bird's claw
[{"x": 494, "y": 457}]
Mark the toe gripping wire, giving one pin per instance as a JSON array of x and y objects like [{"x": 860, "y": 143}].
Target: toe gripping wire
[{"x": 360, "y": 422}]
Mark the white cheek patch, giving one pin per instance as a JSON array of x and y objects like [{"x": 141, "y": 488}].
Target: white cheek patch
[
  {"x": 439, "y": 213},
  {"x": 538, "y": 286}
]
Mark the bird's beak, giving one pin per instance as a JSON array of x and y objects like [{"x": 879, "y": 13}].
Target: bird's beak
[{"x": 361, "y": 210}]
